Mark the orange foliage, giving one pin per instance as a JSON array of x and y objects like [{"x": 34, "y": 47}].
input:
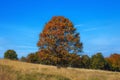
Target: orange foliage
[
  {"x": 58, "y": 39},
  {"x": 114, "y": 60}
]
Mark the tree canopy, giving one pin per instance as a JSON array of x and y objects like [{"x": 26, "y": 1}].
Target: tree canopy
[
  {"x": 10, "y": 54},
  {"x": 114, "y": 60},
  {"x": 98, "y": 61},
  {"x": 58, "y": 40}
]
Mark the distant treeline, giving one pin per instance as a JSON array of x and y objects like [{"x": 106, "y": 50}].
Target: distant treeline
[{"x": 97, "y": 61}]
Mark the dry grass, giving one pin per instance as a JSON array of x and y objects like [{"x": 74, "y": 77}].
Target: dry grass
[{"x": 15, "y": 70}]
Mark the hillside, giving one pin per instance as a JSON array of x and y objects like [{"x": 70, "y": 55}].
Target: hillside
[{"x": 15, "y": 70}]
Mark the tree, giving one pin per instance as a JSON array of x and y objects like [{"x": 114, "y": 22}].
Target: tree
[
  {"x": 33, "y": 58},
  {"x": 74, "y": 60},
  {"x": 23, "y": 59},
  {"x": 58, "y": 40},
  {"x": 98, "y": 61},
  {"x": 114, "y": 61},
  {"x": 10, "y": 54},
  {"x": 85, "y": 61}
]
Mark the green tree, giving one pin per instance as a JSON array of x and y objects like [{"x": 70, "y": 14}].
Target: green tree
[
  {"x": 10, "y": 54},
  {"x": 98, "y": 61},
  {"x": 85, "y": 61},
  {"x": 57, "y": 40}
]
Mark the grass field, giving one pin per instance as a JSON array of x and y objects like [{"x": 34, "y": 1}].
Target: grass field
[{"x": 15, "y": 70}]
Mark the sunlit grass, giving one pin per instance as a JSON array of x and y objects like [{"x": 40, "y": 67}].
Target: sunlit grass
[{"x": 15, "y": 70}]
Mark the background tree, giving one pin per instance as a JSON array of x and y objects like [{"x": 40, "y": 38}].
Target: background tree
[
  {"x": 85, "y": 61},
  {"x": 23, "y": 59},
  {"x": 98, "y": 61},
  {"x": 33, "y": 58},
  {"x": 58, "y": 40},
  {"x": 114, "y": 60},
  {"x": 74, "y": 60},
  {"x": 10, "y": 54}
]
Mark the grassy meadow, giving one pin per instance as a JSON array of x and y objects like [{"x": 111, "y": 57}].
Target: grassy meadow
[{"x": 15, "y": 70}]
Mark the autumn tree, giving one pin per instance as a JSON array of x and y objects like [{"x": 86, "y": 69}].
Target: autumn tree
[
  {"x": 58, "y": 41},
  {"x": 114, "y": 61},
  {"x": 74, "y": 60}
]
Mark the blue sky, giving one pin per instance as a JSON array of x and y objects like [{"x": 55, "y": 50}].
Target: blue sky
[{"x": 97, "y": 21}]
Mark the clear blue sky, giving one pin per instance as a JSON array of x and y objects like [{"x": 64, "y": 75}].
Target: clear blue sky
[{"x": 97, "y": 21}]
